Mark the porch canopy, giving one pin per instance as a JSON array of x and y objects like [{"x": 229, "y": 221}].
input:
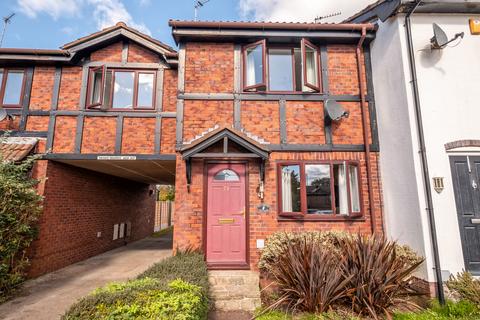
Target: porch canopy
[{"x": 224, "y": 143}]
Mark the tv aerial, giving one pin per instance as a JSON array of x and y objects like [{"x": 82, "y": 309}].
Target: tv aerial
[
  {"x": 197, "y": 5},
  {"x": 6, "y": 20},
  {"x": 320, "y": 18},
  {"x": 440, "y": 38}
]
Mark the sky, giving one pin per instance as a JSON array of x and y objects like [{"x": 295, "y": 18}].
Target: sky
[{"x": 52, "y": 23}]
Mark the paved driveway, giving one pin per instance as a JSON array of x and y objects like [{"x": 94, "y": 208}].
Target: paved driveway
[{"x": 49, "y": 296}]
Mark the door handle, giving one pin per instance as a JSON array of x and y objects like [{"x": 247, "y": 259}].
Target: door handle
[{"x": 475, "y": 221}]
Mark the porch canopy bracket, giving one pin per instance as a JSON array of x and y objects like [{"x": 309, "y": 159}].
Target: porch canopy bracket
[{"x": 224, "y": 143}]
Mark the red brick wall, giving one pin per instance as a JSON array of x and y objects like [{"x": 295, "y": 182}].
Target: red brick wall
[
  {"x": 10, "y": 124},
  {"x": 111, "y": 53},
  {"x": 209, "y": 67},
  {"x": 168, "y": 139},
  {"x": 262, "y": 118},
  {"x": 189, "y": 205},
  {"x": 78, "y": 204},
  {"x": 64, "y": 136},
  {"x": 99, "y": 135},
  {"x": 170, "y": 84},
  {"x": 42, "y": 88},
  {"x": 343, "y": 70},
  {"x": 137, "y": 53},
  {"x": 202, "y": 115},
  {"x": 350, "y": 130},
  {"x": 138, "y": 135},
  {"x": 69, "y": 95},
  {"x": 305, "y": 122},
  {"x": 37, "y": 123}
]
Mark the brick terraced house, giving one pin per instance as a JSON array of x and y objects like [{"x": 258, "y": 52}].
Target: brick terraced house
[{"x": 262, "y": 127}]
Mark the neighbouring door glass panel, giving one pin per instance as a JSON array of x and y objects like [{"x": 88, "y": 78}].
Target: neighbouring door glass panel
[
  {"x": 280, "y": 70},
  {"x": 254, "y": 67},
  {"x": 96, "y": 90},
  {"x": 340, "y": 187},
  {"x": 319, "y": 195},
  {"x": 123, "y": 90},
  {"x": 291, "y": 188},
  {"x": 13, "y": 88},
  {"x": 145, "y": 90},
  {"x": 354, "y": 188},
  {"x": 108, "y": 89},
  {"x": 226, "y": 175}
]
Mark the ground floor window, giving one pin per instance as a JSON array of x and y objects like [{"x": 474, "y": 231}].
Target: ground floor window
[{"x": 320, "y": 189}]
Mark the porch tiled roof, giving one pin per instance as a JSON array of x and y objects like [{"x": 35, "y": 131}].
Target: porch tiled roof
[{"x": 16, "y": 148}]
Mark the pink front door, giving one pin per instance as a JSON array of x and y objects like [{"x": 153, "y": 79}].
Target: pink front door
[{"x": 226, "y": 224}]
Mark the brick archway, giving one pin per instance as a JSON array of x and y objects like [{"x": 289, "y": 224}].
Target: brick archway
[{"x": 461, "y": 144}]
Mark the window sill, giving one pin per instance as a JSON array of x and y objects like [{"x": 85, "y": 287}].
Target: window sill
[
  {"x": 293, "y": 93},
  {"x": 319, "y": 218}
]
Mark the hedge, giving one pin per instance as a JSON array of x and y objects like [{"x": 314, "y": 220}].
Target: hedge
[{"x": 175, "y": 288}]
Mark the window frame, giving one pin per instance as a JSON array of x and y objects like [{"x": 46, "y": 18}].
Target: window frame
[
  {"x": 109, "y": 107},
  {"x": 91, "y": 74},
  {"x": 3, "y": 86},
  {"x": 304, "y": 44},
  {"x": 303, "y": 191},
  {"x": 253, "y": 88}
]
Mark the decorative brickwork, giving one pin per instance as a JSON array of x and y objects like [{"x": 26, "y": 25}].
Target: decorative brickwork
[
  {"x": 167, "y": 143},
  {"x": 138, "y": 135},
  {"x": 343, "y": 70},
  {"x": 42, "y": 88},
  {"x": 37, "y": 123},
  {"x": 70, "y": 85},
  {"x": 64, "y": 136},
  {"x": 111, "y": 53},
  {"x": 137, "y": 53},
  {"x": 262, "y": 119},
  {"x": 349, "y": 130},
  {"x": 305, "y": 122},
  {"x": 170, "y": 82}
]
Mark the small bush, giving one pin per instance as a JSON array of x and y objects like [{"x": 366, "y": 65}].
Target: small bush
[
  {"x": 310, "y": 277},
  {"x": 19, "y": 212},
  {"x": 175, "y": 288},
  {"x": 320, "y": 271},
  {"x": 466, "y": 286},
  {"x": 379, "y": 278}
]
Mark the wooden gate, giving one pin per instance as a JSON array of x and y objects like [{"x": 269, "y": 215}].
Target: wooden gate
[{"x": 164, "y": 214}]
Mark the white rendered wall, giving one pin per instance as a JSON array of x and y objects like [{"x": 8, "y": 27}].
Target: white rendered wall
[{"x": 449, "y": 85}]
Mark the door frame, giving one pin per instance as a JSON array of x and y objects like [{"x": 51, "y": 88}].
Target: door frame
[
  {"x": 226, "y": 266},
  {"x": 451, "y": 158}
]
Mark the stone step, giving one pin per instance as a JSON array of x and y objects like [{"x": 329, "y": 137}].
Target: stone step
[{"x": 234, "y": 290}]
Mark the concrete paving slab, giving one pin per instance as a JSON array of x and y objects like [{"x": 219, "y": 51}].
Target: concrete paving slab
[{"x": 49, "y": 296}]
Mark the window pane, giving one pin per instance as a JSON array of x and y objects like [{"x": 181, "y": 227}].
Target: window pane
[
  {"x": 280, "y": 69},
  {"x": 354, "y": 188},
  {"x": 311, "y": 66},
  {"x": 319, "y": 197},
  {"x": 226, "y": 175},
  {"x": 341, "y": 192},
  {"x": 96, "y": 89},
  {"x": 108, "y": 88},
  {"x": 145, "y": 90},
  {"x": 254, "y": 67},
  {"x": 123, "y": 90},
  {"x": 291, "y": 188},
  {"x": 13, "y": 88}
]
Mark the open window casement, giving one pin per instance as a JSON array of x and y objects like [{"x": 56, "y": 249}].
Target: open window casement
[
  {"x": 96, "y": 87},
  {"x": 255, "y": 66},
  {"x": 310, "y": 59}
]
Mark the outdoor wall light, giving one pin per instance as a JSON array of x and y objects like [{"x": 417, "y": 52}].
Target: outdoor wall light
[{"x": 438, "y": 184}]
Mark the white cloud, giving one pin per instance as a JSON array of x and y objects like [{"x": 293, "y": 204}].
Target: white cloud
[
  {"x": 54, "y": 8},
  {"x": 145, "y": 3},
  {"x": 108, "y": 12},
  {"x": 299, "y": 10}
]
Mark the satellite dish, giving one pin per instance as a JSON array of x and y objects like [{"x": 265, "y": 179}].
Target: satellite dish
[
  {"x": 440, "y": 38},
  {"x": 335, "y": 111},
  {"x": 3, "y": 114}
]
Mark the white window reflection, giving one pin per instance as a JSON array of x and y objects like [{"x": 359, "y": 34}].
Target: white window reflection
[{"x": 123, "y": 90}]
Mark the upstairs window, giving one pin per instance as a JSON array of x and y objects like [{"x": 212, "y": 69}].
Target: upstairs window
[
  {"x": 12, "y": 87},
  {"x": 121, "y": 89},
  {"x": 281, "y": 68},
  {"x": 319, "y": 190}
]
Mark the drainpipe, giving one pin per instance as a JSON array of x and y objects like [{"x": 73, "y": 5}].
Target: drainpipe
[
  {"x": 366, "y": 142},
  {"x": 423, "y": 155}
]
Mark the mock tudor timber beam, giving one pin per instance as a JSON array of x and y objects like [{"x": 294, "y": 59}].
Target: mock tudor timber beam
[
  {"x": 237, "y": 87},
  {"x": 270, "y": 97},
  {"x": 95, "y": 113},
  {"x": 26, "y": 97},
  {"x": 283, "y": 121},
  {"x": 181, "y": 90},
  {"x": 54, "y": 105},
  {"x": 327, "y": 129},
  {"x": 370, "y": 92}
]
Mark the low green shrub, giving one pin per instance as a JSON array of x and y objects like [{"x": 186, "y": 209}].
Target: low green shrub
[
  {"x": 466, "y": 287},
  {"x": 462, "y": 310},
  {"x": 20, "y": 208},
  {"x": 175, "y": 288}
]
